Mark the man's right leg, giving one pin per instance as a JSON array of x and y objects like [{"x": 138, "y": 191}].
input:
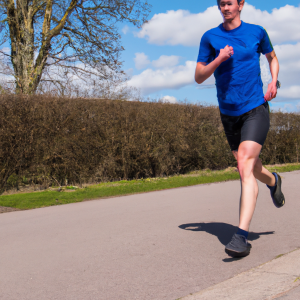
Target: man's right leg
[
  {"x": 260, "y": 172},
  {"x": 268, "y": 178},
  {"x": 273, "y": 183},
  {"x": 263, "y": 175}
]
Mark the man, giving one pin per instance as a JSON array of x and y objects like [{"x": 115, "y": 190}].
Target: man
[{"x": 231, "y": 51}]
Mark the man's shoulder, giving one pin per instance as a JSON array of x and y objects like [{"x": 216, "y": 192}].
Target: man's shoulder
[
  {"x": 212, "y": 31},
  {"x": 253, "y": 27}
]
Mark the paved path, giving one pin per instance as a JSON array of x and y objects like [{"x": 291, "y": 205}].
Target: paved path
[
  {"x": 277, "y": 279},
  {"x": 160, "y": 245},
  {"x": 291, "y": 295}
]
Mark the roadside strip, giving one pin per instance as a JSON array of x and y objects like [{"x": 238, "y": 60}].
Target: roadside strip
[
  {"x": 64, "y": 195},
  {"x": 268, "y": 281}
]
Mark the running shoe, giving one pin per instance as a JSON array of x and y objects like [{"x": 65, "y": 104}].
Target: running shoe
[
  {"x": 276, "y": 194},
  {"x": 238, "y": 246}
]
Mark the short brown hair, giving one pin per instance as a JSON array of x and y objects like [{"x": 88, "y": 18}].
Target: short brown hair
[{"x": 220, "y": 1}]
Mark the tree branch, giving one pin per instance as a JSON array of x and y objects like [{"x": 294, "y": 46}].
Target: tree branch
[
  {"x": 37, "y": 7},
  {"x": 56, "y": 30},
  {"x": 47, "y": 18},
  {"x": 5, "y": 53},
  {"x": 77, "y": 35}
]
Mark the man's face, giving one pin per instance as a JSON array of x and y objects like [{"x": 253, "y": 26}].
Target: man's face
[{"x": 230, "y": 9}]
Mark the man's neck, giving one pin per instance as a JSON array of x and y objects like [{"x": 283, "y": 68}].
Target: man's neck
[{"x": 230, "y": 25}]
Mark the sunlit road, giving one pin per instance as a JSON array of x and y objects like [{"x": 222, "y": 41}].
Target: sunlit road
[{"x": 159, "y": 245}]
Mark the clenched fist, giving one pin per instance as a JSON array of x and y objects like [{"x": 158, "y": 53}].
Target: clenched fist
[
  {"x": 226, "y": 53},
  {"x": 271, "y": 92}
]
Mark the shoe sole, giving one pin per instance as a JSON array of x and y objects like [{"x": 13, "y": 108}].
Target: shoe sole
[
  {"x": 279, "y": 194},
  {"x": 238, "y": 254}
]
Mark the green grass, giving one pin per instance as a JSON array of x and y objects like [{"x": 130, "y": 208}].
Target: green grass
[{"x": 120, "y": 188}]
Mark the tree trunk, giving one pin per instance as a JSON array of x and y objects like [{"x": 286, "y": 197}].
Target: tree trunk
[
  {"x": 27, "y": 73},
  {"x": 84, "y": 41},
  {"x": 28, "y": 70}
]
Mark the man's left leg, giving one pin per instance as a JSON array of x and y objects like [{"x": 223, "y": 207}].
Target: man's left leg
[
  {"x": 247, "y": 157},
  {"x": 248, "y": 154}
]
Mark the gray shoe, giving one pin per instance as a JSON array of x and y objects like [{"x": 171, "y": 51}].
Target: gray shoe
[
  {"x": 238, "y": 246},
  {"x": 277, "y": 195}
]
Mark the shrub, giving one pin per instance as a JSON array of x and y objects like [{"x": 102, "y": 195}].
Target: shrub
[{"x": 57, "y": 141}]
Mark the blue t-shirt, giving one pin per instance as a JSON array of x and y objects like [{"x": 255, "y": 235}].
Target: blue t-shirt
[{"x": 238, "y": 80}]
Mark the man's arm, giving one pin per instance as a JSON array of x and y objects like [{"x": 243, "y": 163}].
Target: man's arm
[
  {"x": 274, "y": 68},
  {"x": 204, "y": 71}
]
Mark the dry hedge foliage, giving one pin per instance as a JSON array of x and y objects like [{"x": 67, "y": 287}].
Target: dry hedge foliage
[{"x": 58, "y": 141}]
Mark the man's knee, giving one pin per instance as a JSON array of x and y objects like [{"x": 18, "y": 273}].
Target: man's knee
[
  {"x": 246, "y": 164},
  {"x": 243, "y": 158}
]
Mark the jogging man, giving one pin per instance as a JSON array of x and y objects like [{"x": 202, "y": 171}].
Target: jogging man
[{"x": 232, "y": 52}]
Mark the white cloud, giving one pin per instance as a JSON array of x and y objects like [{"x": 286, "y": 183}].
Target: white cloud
[
  {"x": 289, "y": 61},
  {"x": 265, "y": 70},
  {"x": 166, "y": 61},
  {"x": 169, "y": 99},
  {"x": 125, "y": 29},
  {"x": 169, "y": 76},
  {"x": 184, "y": 28},
  {"x": 6, "y": 50},
  {"x": 178, "y": 28},
  {"x": 129, "y": 72},
  {"x": 141, "y": 60},
  {"x": 286, "y": 107},
  {"x": 292, "y": 92},
  {"x": 176, "y": 77},
  {"x": 282, "y": 24},
  {"x": 150, "y": 81}
]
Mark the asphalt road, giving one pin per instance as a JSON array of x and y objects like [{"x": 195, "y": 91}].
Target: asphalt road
[{"x": 159, "y": 245}]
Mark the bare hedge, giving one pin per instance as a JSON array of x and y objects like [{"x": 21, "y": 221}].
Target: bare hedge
[{"x": 58, "y": 141}]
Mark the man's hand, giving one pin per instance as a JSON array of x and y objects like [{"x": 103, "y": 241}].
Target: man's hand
[
  {"x": 226, "y": 53},
  {"x": 204, "y": 70},
  {"x": 271, "y": 92},
  {"x": 274, "y": 68}
]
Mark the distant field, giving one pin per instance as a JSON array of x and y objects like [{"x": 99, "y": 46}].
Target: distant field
[{"x": 105, "y": 190}]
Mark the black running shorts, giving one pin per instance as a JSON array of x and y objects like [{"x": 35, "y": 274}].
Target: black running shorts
[{"x": 251, "y": 126}]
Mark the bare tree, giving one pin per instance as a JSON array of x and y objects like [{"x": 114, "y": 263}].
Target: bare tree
[{"x": 51, "y": 38}]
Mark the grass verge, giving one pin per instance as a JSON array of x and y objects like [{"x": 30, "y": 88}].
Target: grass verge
[{"x": 105, "y": 190}]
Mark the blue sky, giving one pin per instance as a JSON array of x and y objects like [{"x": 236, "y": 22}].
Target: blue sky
[{"x": 177, "y": 47}]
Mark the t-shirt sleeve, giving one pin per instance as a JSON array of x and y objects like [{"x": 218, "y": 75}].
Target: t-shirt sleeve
[
  {"x": 206, "y": 52},
  {"x": 265, "y": 43}
]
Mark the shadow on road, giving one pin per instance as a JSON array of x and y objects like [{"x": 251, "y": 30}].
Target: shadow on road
[{"x": 222, "y": 231}]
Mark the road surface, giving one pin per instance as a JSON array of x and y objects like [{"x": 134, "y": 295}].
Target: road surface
[{"x": 159, "y": 245}]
